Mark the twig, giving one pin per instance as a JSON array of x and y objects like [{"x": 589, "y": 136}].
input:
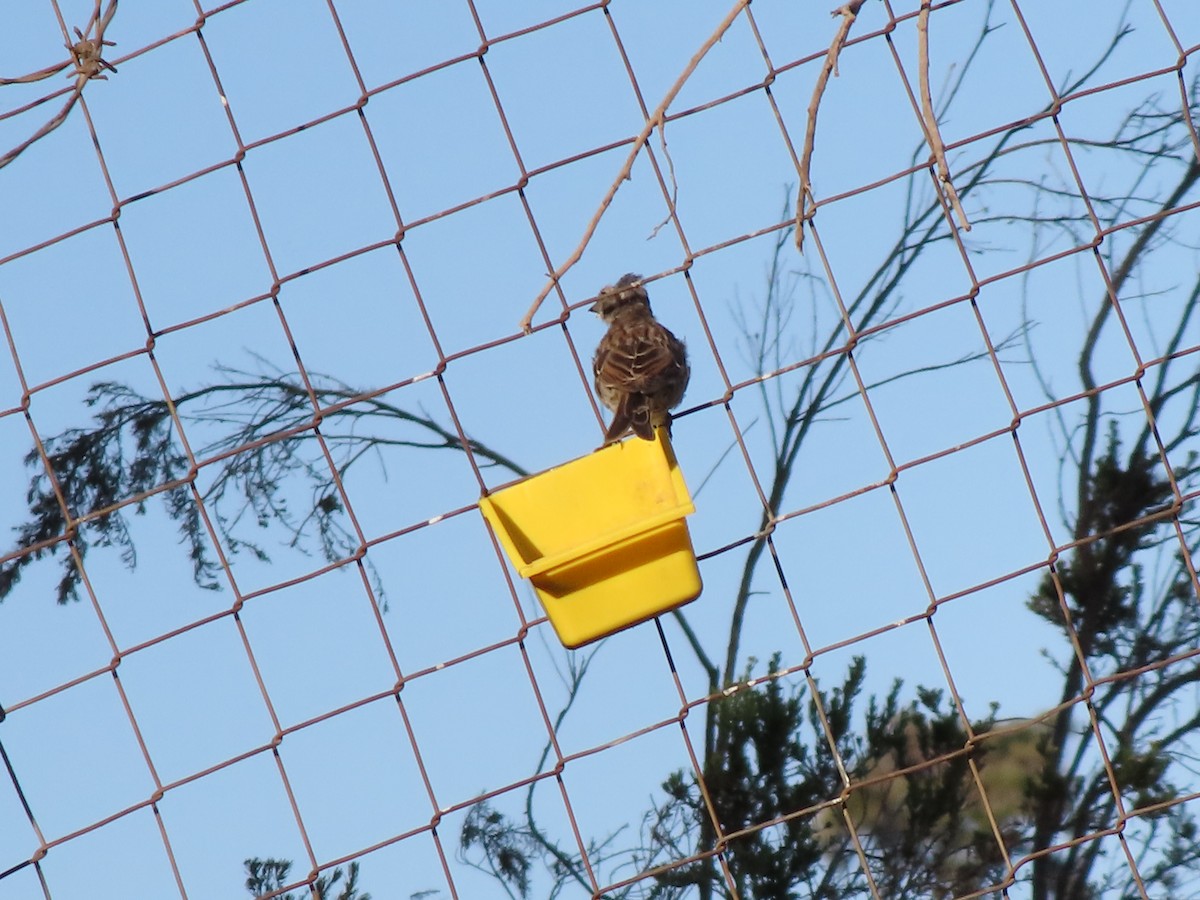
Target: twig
[
  {"x": 654, "y": 121},
  {"x": 804, "y": 207},
  {"x": 86, "y": 56},
  {"x": 662, "y": 136},
  {"x": 39, "y": 75},
  {"x": 929, "y": 117}
]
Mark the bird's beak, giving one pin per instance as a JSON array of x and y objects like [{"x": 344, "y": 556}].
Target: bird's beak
[{"x": 595, "y": 308}]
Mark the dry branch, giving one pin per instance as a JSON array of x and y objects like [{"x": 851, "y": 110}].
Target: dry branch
[
  {"x": 804, "y": 208},
  {"x": 929, "y": 118},
  {"x": 656, "y": 120},
  {"x": 86, "y": 57}
]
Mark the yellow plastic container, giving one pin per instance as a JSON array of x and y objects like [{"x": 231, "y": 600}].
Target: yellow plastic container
[{"x": 602, "y": 538}]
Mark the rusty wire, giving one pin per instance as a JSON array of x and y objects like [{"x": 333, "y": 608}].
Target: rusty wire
[{"x": 659, "y": 116}]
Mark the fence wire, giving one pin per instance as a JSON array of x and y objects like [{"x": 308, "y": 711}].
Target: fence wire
[{"x": 475, "y": 348}]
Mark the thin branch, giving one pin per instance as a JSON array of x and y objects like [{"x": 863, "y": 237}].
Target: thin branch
[
  {"x": 662, "y": 138},
  {"x": 804, "y": 201},
  {"x": 86, "y": 55},
  {"x": 1132, "y": 258},
  {"x": 710, "y": 668},
  {"x": 655, "y": 120},
  {"x": 929, "y": 117},
  {"x": 567, "y": 863}
]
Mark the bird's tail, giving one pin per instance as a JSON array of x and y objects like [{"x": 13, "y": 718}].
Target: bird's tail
[{"x": 632, "y": 414}]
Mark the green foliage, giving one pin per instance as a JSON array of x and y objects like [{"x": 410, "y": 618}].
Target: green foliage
[
  {"x": 763, "y": 771},
  {"x": 128, "y": 451},
  {"x": 1142, "y": 775},
  {"x": 1117, "y": 520},
  {"x": 263, "y": 876},
  {"x": 508, "y": 849},
  {"x": 268, "y": 469},
  {"x": 776, "y": 791}
]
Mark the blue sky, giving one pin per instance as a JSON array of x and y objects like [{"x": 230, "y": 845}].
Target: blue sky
[{"x": 204, "y": 278}]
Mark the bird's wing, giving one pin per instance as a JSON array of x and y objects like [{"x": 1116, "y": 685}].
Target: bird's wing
[{"x": 639, "y": 363}]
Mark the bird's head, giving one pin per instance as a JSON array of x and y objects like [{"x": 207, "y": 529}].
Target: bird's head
[{"x": 627, "y": 293}]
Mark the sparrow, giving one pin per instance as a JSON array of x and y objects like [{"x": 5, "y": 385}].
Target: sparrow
[{"x": 641, "y": 368}]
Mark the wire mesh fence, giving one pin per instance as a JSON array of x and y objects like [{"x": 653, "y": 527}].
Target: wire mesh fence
[{"x": 286, "y": 287}]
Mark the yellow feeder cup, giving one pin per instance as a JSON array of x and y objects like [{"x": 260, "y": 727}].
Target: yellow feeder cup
[{"x": 602, "y": 538}]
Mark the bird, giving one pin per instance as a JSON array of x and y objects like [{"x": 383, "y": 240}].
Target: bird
[{"x": 641, "y": 369}]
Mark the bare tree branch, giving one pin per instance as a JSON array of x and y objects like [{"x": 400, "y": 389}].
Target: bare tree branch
[
  {"x": 929, "y": 117},
  {"x": 87, "y": 58},
  {"x": 805, "y": 201}
]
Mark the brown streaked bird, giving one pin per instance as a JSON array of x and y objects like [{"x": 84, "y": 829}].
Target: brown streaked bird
[{"x": 641, "y": 368}]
